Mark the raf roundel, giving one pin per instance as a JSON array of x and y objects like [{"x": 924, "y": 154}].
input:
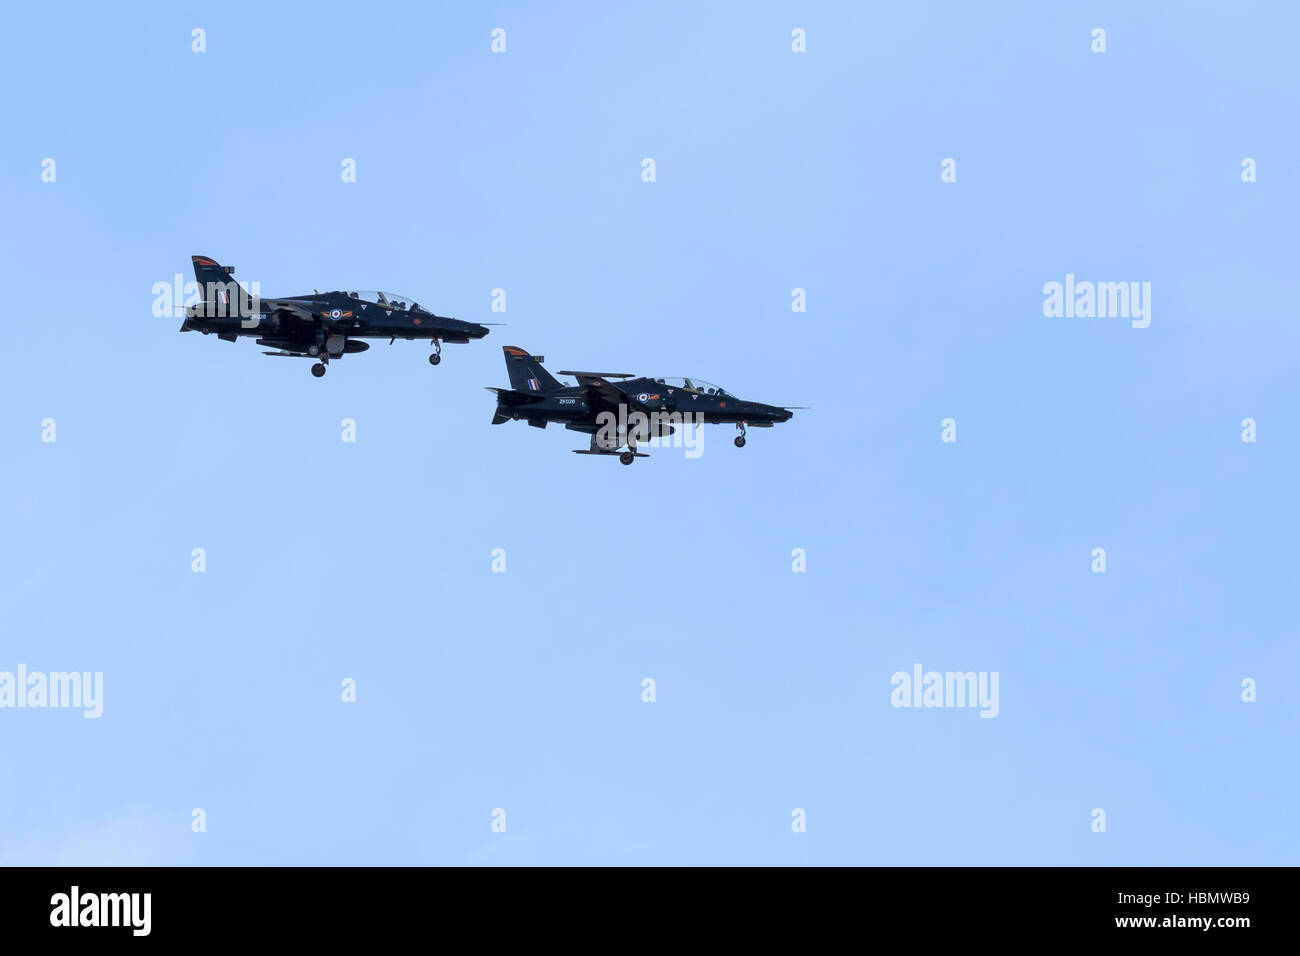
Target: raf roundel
[
  {"x": 335, "y": 313},
  {"x": 643, "y": 398}
]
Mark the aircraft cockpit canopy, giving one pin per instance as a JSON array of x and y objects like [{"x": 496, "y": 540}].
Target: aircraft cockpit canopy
[
  {"x": 693, "y": 385},
  {"x": 386, "y": 300}
]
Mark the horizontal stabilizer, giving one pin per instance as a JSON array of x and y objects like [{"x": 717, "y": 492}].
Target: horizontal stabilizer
[{"x": 507, "y": 396}]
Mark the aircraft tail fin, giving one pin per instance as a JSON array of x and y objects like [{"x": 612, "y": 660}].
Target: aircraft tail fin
[
  {"x": 526, "y": 372},
  {"x": 216, "y": 282}
]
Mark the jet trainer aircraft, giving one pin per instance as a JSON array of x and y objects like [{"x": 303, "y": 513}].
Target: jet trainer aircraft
[
  {"x": 605, "y": 409},
  {"x": 323, "y": 325}
]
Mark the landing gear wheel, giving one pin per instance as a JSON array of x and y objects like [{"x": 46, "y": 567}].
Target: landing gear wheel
[
  {"x": 740, "y": 441},
  {"x": 627, "y": 458},
  {"x": 435, "y": 358},
  {"x": 318, "y": 369}
]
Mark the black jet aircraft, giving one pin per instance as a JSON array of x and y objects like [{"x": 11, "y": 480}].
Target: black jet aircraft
[
  {"x": 322, "y": 326},
  {"x": 536, "y": 397}
]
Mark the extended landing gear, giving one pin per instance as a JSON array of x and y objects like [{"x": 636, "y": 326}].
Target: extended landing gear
[
  {"x": 320, "y": 353},
  {"x": 436, "y": 357},
  {"x": 630, "y": 455},
  {"x": 740, "y": 439},
  {"x": 611, "y": 448}
]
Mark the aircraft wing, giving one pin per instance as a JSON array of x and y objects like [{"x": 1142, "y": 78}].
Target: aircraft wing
[
  {"x": 597, "y": 374},
  {"x": 597, "y": 388},
  {"x": 294, "y": 310}
]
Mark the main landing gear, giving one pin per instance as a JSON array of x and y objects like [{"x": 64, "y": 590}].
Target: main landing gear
[
  {"x": 629, "y": 456},
  {"x": 322, "y": 356},
  {"x": 436, "y": 357},
  {"x": 740, "y": 439},
  {"x": 599, "y": 448}
]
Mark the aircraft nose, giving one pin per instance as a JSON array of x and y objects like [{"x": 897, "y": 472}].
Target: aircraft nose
[
  {"x": 771, "y": 413},
  {"x": 758, "y": 412}
]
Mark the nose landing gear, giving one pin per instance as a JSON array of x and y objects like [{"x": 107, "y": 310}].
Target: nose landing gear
[
  {"x": 318, "y": 369},
  {"x": 436, "y": 357},
  {"x": 740, "y": 439}
]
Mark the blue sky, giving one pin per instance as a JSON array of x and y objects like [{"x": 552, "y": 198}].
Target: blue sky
[{"x": 774, "y": 170}]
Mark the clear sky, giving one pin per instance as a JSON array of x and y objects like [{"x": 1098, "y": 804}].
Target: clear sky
[{"x": 522, "y": 690}]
